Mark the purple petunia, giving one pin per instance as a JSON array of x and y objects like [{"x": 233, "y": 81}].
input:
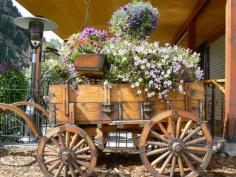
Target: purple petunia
[
  {"x": 94, "y": 34},
  {"x": 136, "y": 20},
  {"x": 3, "y": 69}
]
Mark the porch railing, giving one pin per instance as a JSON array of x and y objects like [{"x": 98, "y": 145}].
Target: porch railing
[{"x": 215, "y": 106}]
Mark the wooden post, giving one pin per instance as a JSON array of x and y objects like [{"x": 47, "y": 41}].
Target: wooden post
[
  {"x": 213, "y": 110},
  {"x": 230, "y": 69},
  {"x": 37, "y": 79}
]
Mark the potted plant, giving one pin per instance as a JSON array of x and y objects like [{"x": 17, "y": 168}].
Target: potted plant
[
  {"x": 151, "y": 69},
  {"x": 136, "y": 20},
  {"x": 84, "y": 51}
]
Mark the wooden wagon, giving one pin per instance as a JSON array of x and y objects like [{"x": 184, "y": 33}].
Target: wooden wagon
[{"x": 174, "y": 139}]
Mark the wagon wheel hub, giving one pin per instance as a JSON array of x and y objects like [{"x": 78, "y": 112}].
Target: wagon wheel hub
[
  {"x": 177, "y": 147},
  {"x": 67, "y": 156}
]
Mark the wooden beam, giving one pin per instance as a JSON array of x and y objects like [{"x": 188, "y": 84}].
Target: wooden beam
[
  {"x": 230, "y": 68},
  {"x": 200, "y": 5},
  {"x": 192, "y": 35}
]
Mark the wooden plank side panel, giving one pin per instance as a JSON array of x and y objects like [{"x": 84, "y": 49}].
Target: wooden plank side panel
[
  {"x": 124, "y": 92},
  {"x": 55, "y": 94},
  {"x": 131, "y": 111},
  {"x": 126, "y": 105}
]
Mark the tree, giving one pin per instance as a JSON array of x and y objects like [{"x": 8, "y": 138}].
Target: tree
[{"x": 14, "y": 42}]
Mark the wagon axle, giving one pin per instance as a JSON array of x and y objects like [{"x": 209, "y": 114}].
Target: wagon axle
[{"x": 177, "y": 147}]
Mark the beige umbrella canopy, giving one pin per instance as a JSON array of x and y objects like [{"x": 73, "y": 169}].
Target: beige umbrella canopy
[{"x": 175, "y": 16}]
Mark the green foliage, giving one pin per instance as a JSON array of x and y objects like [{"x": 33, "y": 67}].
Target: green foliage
[
  {"x": 54, "y": 44},
  {"x": 13, "y": 86},
  {"x": 53, "y": 72}
]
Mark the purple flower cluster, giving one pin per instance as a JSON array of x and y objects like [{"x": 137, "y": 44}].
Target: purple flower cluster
[
  {"x": 93, "y": 34},
  {"x": 135, "y": 20},
  {"x": 3, "y": 69}
]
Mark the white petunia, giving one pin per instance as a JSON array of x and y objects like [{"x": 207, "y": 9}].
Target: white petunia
[
  {"x": 151, "y": 82},
  {"x": 136, "y": 84},
  {"x": 139, "y": 92}
]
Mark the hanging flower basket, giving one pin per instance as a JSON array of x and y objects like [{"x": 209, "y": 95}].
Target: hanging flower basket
[
  {"x": 84, "y": 52},
  {"x": 90, "y": 65}
]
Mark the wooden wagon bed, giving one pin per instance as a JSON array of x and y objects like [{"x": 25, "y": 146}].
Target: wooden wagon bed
[{"x": 85, "y": 103}]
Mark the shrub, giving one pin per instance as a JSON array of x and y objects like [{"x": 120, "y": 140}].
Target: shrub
[
  {"x": 53, "y": 72},
  {"x": 13, "y": 85}
]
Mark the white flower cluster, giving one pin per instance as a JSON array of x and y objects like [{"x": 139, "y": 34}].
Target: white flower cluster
[{"x": 151, "y": 68}]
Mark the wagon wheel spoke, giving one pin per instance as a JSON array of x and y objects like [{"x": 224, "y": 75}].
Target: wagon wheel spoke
[
  {"x": 181, "y": 166},
  {"x": 187, "y": 126},
  {"x": 51, "y": 160},
  {"x": 79, "y": 144},
  {"x": 157, "y": 151},
  {"x": 171, "y": 128},
  {"x": 59, "y": 170},
  {"x": 83, "y": 163},
  {"x": 66, "y": 170},
  {"x": 157, "y": 143},
  {"x": 158, "y": 136},
  {"x": 72, "y": 172},
  {"x": 55, "y": 142},
  {"x": 196, "y": 158},
  {"x": 55, "y": 149},
  {"x": 85, "y": 157},
  {"x": 163, "y": 129},
  {"x": 173, "y": 164},
  {"x": 82, "y": 150},
  {"x": 196, "y": 141},
  {"x": 178, "y": 127},
  {"x": 77, "y": 168},
  {"x": 54, "y": 166},
  {"x": 50, "y": 153},
  {"x": 163, "y": 167},
  {"x": 159, "y": 159},
  {"x": 196, "y": 149},
  {"x": 196, "y": 130},
  {"x": 61, "y": 139},
  {"x": 188, "y": 162},
  {"x": 74, "y": 139},
  {"x": 67, "y": 139},
  {"x": 71, "y": 157},
  {"x": 179, "y": 149}
]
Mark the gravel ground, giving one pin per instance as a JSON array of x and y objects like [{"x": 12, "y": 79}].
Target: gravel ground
[{"x": 23, "y": 164}]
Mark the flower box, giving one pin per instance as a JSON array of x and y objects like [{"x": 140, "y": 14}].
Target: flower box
[{"x": 90, "y": 65}]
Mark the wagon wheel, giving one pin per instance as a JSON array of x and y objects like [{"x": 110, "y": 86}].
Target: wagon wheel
[
  {"x": 66, "y": 151},
  {"x": 183, "y": 145}
]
